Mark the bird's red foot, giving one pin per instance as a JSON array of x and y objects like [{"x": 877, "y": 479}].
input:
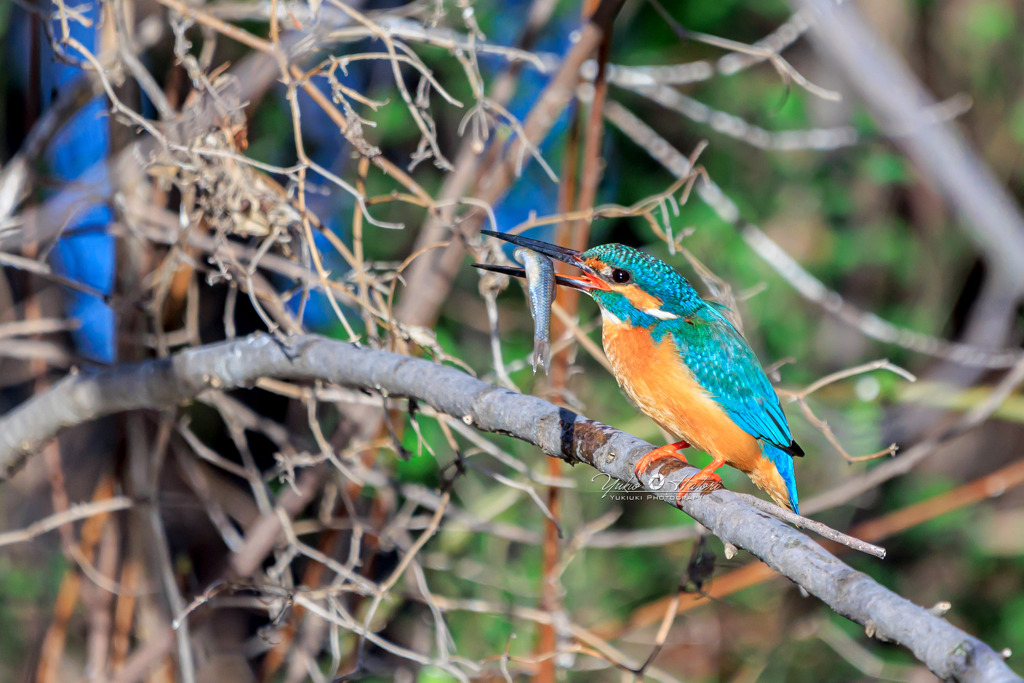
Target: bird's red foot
[
  {"x": 657, "y": 454},
  {"x": 704, "y": 481}
]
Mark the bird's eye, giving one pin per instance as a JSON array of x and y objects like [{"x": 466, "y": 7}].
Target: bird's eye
[{"x": 620, "y": 276}]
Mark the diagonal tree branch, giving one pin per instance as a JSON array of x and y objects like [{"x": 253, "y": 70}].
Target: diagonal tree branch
[
  {"x": 990, "y": 216},
  {"x": 949, "y": 652}
]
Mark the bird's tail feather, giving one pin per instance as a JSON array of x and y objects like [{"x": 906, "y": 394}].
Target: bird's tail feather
[{"x": 775, "y": 476}]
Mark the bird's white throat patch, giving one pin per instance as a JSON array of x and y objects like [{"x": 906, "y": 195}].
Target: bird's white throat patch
[{"x": 610, "y": 318}]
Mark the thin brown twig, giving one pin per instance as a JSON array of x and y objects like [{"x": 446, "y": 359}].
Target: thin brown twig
[
  {"x": 74, "y": 513},
  {"x": 800, "y": 397}
]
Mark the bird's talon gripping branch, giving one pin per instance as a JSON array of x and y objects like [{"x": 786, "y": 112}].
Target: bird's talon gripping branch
[
  {"x": 661, "y": 453},
  {"x": 699, "y": 484},
  {"x": 704, "y": 481}
]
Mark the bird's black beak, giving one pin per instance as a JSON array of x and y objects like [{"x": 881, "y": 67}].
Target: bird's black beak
[{"x": 589, "y": 282}]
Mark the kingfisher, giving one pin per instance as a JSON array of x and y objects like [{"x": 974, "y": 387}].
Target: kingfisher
[{"x": 683, "y": 364}]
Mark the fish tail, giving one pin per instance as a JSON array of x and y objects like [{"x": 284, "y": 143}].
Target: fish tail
[
  {"x": 541, "y": 354},
  {"x": 774, "y": 474}
]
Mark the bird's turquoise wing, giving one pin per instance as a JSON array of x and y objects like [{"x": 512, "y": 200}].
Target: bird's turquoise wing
[{"x": 727, "y": 368}]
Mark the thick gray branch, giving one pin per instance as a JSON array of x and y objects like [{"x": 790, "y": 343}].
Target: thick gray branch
[{"x": 946, "y": 650}]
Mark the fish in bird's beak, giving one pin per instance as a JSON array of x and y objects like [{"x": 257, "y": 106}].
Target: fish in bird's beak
[{"x": 587, "y": 283}]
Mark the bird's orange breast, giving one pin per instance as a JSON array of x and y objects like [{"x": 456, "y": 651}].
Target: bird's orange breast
[{"x": 656, "y": 379}]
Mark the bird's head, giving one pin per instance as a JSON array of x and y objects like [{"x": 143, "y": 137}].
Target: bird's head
[{"x": 627, "y": 283}]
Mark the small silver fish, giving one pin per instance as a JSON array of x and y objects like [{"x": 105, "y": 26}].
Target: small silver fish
[{"x": 540, "y": 285}]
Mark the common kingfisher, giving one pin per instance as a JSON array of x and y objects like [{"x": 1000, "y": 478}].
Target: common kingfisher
[{"x": 683, "y": 364}]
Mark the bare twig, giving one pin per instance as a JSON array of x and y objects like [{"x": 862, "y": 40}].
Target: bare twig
[
  {"x": 74, "y": 513},
  {"x": 822, "y": 530},
  {"x": 914, "y": 455}
]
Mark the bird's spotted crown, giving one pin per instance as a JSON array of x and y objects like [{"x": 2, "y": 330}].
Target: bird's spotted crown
[{"x": 651, "y": 275}]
